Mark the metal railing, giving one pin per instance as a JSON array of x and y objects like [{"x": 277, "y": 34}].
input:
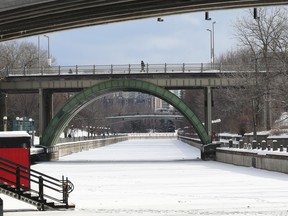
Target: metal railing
[
  {"x": 126, "y": 69},
  {"x": 19, "y": 173}
]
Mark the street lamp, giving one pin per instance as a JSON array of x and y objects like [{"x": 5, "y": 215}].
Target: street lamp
[
  {"x": 32, "y": 129},
  {"x": 212, "y": 46},
  {"x": 159, "y": 19},
  {"x": 17, "y": 123},
  {"x": 21, "y": 123},
  {"x": 49, "y": 59},
  {"x": 38, "y": 52},
  {"x": 5, "y": 123}
]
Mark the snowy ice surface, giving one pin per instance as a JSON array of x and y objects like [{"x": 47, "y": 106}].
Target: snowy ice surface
[{"x": 160, "y": 177}]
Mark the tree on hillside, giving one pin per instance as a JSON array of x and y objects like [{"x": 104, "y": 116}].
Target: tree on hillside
[
  {"x": 19, "y": 55},
  {"x": 263, "y": 50}
]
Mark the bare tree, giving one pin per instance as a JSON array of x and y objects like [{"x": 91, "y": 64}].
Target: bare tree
[
  {"x": 19, "y": 55},
  {"x": 263, "y": 50}
]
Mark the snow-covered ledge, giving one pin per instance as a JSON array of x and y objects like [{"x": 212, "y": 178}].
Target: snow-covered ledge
[{"x": 257, "y": 158}]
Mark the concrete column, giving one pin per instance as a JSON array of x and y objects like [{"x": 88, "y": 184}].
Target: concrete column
[
  {"x": 208, "y": 110},
  {"x": 263, "y": 144},
  {"x": 45, "y": 109},
  {"x": 3, "y": 108},
  {"x": 254, "y": 144},
  {"x": 230, "y": 143},
  {"x": 241, "y": 144},
  {"x": 275, "y": 145},
  {"x": 1, "y": 207}
]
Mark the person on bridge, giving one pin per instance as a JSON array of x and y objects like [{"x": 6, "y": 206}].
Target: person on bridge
[{"x": 142, "y": 66}]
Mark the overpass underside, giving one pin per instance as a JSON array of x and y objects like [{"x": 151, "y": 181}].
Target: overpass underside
[{"x": 31, "y": 17}]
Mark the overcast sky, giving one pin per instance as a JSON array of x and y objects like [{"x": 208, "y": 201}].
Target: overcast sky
[{"x": 179, "y": 39}]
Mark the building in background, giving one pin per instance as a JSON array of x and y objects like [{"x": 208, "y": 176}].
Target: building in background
[{"x": 161, "y": 104}]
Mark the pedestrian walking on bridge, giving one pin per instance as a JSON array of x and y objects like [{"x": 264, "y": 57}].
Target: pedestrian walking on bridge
[{"x": 142, "y": 66}]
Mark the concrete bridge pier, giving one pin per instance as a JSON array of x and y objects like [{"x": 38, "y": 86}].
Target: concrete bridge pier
[
  {"x": 3, "y": 109},
  {"x": 208, "y": 109},
  {"x": 45, "y": 109}
]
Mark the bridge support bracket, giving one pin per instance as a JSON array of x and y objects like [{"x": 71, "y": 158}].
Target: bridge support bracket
[{"x": 208, "y": 152}]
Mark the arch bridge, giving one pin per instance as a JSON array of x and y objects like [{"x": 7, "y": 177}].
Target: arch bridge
[
  {"x": 92, "y": 82},
  {"x": 18, "y": 21},
  {"x": 88, "y": 95}
]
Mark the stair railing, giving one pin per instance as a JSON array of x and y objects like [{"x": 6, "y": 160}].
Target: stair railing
[{"x": 44, "y": 182}]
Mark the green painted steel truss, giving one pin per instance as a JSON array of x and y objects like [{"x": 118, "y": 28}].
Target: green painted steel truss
[{"x": 88, "y": 95}]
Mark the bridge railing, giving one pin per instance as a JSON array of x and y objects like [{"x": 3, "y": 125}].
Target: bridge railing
[
  {"x": 131, "y": 69},
  {"x": 116, "y": 69}
]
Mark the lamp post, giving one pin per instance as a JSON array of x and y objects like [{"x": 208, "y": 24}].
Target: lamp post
[
  {"x": 5, "y": 123},
  {"x": 21, "y": 123},
  {"x": 213, "y": 44},
  {"x": 32, "y": 130},
  {"x": 17, "y": 123},
  {"x": 48, "y": 59},
  {"x": 38, "y": 50},
  {"x": 217, "y": 128},
  {"x": 212, "y": 47}
]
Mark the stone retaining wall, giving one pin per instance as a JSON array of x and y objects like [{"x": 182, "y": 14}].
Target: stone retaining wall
[
  {"x": 267, "y": 160},
  {"x": 64, "y": 149},
  {"x": 191, "y": 141},
  {"x": 273, "y": 158}
]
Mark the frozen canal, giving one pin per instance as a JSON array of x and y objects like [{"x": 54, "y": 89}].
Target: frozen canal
[{"x": 160, "y": 177}]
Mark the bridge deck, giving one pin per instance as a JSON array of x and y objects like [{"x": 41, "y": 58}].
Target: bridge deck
[
  {"x": 75, "y": 78},
  {"x": 18, "y": 17},
  {"x": 126, "y": 69}
]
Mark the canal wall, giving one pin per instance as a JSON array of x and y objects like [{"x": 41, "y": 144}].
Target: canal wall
[
  {"x": 152, "y": 136},
  {"x": 272, "y": 156},
  {"x": 261, "y": 159},
  {"x": 191, "y": 141},
  {"x": 260, "y": 156},
  {"x": 71, "y": 147},
  {"x": 63, "y": 149}
]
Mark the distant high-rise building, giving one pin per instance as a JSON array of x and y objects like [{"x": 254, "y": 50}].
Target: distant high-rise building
[{"x": 161, "y": 104}]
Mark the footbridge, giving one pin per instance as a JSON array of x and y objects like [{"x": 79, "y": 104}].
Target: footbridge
[
  {"x": 31, "y": 17},
  {"x": 71, "y": 78},
  {"x": 94, "y": 81}
]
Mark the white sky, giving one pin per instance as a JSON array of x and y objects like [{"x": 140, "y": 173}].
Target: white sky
[{"x": 179, "y": 39}]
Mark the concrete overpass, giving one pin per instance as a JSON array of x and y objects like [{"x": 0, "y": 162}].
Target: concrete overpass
[
  {"x": 145, "y": 116},
  {"x": 73, "y": 79},
  {"x": 25, "y": 18},
  {"x": 93, "y": 81}
]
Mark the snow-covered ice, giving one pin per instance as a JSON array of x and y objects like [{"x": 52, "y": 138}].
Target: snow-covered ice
[{"x": 160, "y": 177}]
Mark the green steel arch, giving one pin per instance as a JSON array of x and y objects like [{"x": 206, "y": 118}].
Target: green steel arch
[{"x": 88, "y": 95}]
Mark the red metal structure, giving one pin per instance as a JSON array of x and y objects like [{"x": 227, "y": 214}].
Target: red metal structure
[
  {"x": 15, "y": 147},
  {"x": 16, "y": 175}
]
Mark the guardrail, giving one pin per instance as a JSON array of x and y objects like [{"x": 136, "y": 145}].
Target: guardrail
[
  {"x": 17, "y": 179},
  {"x": 126, "y": 69}
]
